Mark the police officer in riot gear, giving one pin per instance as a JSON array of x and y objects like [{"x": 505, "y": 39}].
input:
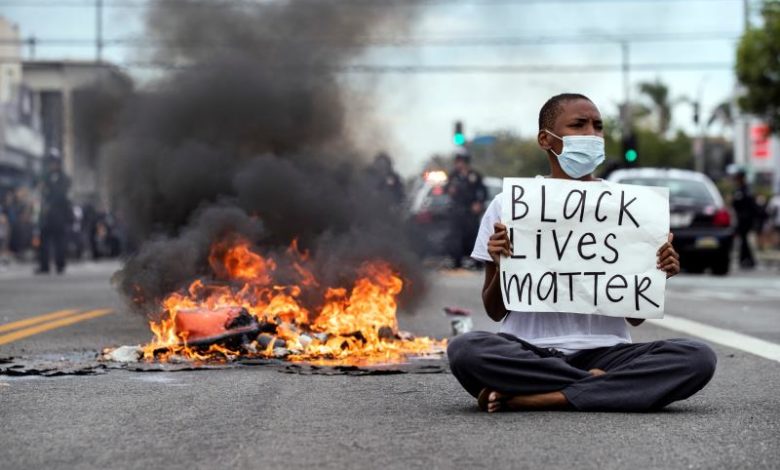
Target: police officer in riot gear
[
  {"x": 55, "y": 215},
  {"x": 467, "y": 200},
  {"x": 385, "y": 180}
]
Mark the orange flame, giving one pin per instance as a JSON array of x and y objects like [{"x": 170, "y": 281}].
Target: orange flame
[
  {"x": 351, "y": 326},
  {"x": 238, "y": 261}
]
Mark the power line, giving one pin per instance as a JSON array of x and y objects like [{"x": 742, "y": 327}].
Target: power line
[
  {"x": 346, "y": 3},
  {"x": 443, "y": 68},
  {"x": 465, "y": 41},
  {"x": 531, "y": 69}
]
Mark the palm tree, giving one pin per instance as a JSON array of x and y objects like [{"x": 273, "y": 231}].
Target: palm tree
[
  {"x": 658, "y": 93},
  {"x": 722, "y": 113}
]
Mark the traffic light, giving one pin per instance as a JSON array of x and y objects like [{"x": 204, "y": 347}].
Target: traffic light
[
  {"x": 630, "y": 153},
  {"x": 457, "y": 136}
]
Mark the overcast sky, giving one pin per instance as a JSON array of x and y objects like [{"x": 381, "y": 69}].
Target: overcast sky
[{"x": 419, "y": 109}]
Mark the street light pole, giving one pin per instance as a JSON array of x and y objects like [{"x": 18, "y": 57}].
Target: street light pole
[
  {"x": 700, "y": 140},
  {"x": 626, "y": 116},
  {"x": 745, "y": 160},
  {"x": 31, "y": 43},
  {"x": 98, "y": 31},
  {"x": 626, "y": 68}
]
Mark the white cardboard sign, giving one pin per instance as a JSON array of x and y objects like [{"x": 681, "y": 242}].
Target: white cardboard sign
[{"x": 584, "y": 247}]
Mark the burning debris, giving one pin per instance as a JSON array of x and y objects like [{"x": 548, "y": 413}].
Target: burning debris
[
  {"x": 231, "y": 327},
  {"x": 240, "y": 311},
  {"x": 122, "y": 354}
]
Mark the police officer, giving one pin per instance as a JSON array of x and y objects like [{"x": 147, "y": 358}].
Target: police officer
[
  {"x": 384, "y": 179},
  {"x": 55, "y": 216},
  {"x": 467, "y": 200},
  {"x": 746, "y": 209}
]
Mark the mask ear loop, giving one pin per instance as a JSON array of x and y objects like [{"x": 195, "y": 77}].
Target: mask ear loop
[{"x": 557, "y": 155}]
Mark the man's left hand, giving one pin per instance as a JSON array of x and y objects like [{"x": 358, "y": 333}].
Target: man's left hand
[{"x": 668, "y": 259}]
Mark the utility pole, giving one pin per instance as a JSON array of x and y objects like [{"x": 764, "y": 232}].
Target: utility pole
[
  {"x": 31, "y": 43},
  {"x": 624, "y": 46},
  {"x": 98, "y": 31},
  {"x": 700, "y": 139},
  {"x": 626, "y": 135},
  {"x": 745, "y": 119}
]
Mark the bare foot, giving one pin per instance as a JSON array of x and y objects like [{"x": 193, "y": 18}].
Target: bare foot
[
  {"x": 492, "y": 401},
  {"x": 483, "y": 399},
  {"x": 596, "y": 372}
]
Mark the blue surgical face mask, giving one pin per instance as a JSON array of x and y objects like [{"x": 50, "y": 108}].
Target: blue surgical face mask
[{"x": 581, "y": 154}]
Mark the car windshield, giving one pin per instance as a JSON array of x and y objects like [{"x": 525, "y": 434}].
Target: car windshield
[{"x": 680, "y": 190}]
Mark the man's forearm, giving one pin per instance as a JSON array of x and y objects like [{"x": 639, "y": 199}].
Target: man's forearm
[{"x": 491, "y": 298}]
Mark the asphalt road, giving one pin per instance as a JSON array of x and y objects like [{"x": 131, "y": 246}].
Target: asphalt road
[{"x": 258, "y": 417}]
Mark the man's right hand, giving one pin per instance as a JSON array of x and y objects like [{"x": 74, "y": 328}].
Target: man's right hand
[{"x": 499, "y": 244}]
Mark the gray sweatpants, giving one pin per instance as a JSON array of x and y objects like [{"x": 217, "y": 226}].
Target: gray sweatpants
[{"x": 639, "y": 376}]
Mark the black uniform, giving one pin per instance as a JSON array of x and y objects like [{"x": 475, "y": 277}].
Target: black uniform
[
  {"x": 385, "y": 180},
  {"x": 388, "y": 184},
  {"x": 55, "y": 217},
  {"x": 745, "y": 207},
  {"x": 464, "y": 191}
]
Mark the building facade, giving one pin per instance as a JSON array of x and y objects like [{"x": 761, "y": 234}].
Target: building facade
[
  {"x": 21, "y": 137},
  {"x": 62, "y": 90}
]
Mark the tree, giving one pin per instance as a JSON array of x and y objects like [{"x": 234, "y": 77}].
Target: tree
[
  {"x": 510, "y": 155},
  {"x": 758, "y": 67},
  {"x": 655, "y": 150},
  {"x": 722, "y": 114},
  {"x": 658, "y": 94}
]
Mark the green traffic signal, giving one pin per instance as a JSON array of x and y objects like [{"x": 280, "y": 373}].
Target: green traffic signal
[
  {"x": 631, "y": 155},
  {"x": 458, "y": 136}
]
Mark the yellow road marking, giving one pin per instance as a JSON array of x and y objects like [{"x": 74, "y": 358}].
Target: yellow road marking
[
  {"x": 38, "y": 319},
  {"x": 34, "y": 330}
]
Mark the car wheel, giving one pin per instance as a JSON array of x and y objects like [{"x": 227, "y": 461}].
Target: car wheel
[
  {"x": 693, "y": 267},
  {"x": 722, "y": 265}
]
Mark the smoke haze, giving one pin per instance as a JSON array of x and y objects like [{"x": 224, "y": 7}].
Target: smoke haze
[{"x": 247, "y": 135}]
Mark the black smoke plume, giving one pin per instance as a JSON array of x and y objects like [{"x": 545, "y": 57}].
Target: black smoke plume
[{"x": 247, "y": 134}]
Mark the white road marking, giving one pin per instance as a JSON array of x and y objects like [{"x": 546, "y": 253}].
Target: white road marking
[
  {"x": 769, "y": 281},
  {"x": 729, "y": 338},
  {"x": 161, "y": 378},
  {"x": 741, "y": 295},
  {"x": 707, "y": 295}
]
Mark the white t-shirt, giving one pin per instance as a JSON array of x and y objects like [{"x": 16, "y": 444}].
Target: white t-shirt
[{"x": 567, "y": 332}]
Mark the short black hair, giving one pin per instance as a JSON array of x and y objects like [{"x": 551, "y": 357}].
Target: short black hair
[{"x": 552, "y": 108}]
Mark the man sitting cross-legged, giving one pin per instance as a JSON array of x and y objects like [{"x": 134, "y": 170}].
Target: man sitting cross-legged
[{"x": 567, "y": 360}]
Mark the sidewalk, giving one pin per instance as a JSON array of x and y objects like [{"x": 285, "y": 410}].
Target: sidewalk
[{"x": 768, "y": 258}]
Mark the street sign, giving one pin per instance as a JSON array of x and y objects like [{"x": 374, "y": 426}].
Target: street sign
[{"x": 759, "y": 141}]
